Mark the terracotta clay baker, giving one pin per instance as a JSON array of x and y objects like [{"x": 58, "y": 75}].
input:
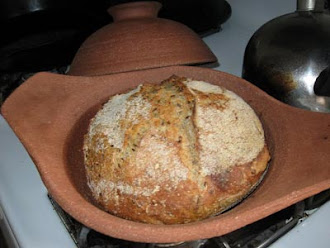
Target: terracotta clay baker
[{"x": 56, "y": 110}]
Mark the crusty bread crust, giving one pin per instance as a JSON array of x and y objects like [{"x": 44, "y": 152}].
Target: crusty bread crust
[{"x": 174, "y": 153}]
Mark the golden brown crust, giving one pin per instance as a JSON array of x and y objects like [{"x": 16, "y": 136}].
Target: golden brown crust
[{"x": 146, "y": 161}]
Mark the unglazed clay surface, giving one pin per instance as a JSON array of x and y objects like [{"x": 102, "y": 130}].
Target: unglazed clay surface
[
  {"x": 137, "y": 40},
  {"x": 50, "y": 113}
]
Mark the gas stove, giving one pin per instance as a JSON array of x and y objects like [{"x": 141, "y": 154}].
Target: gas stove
[
  {"x": 29, "y": 217},
  {"x": 260, "y": 234}
]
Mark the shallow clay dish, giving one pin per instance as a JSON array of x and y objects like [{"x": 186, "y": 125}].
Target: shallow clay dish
[
  {"x": 137, "y": 40},
  {"x": 50, "y": 114}
]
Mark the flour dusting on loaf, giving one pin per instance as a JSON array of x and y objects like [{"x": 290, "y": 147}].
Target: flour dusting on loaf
[
  {"x": 236, "y": 127},
  {"x": 174, "y": 152}
]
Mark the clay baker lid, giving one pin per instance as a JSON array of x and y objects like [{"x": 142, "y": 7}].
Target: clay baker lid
[{"x": 138, "y": 40}]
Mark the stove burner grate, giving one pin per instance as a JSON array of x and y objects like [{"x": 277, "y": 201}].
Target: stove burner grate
[{"x": 260, "y": 234}]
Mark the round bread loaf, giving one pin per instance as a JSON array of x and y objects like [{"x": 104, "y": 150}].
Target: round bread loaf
[{"x": 172, "y": 153}]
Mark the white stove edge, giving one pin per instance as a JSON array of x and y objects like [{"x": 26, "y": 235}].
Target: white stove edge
[
  {"x": 22, "y": 191},
  {"x": 27, "y": 211}
]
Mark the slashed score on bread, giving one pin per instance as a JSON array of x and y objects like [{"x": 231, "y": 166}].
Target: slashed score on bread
[{"x": 176, "y": 152}]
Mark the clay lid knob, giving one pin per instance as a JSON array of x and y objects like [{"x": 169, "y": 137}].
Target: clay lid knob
[{"x": 134, "y": 10}]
